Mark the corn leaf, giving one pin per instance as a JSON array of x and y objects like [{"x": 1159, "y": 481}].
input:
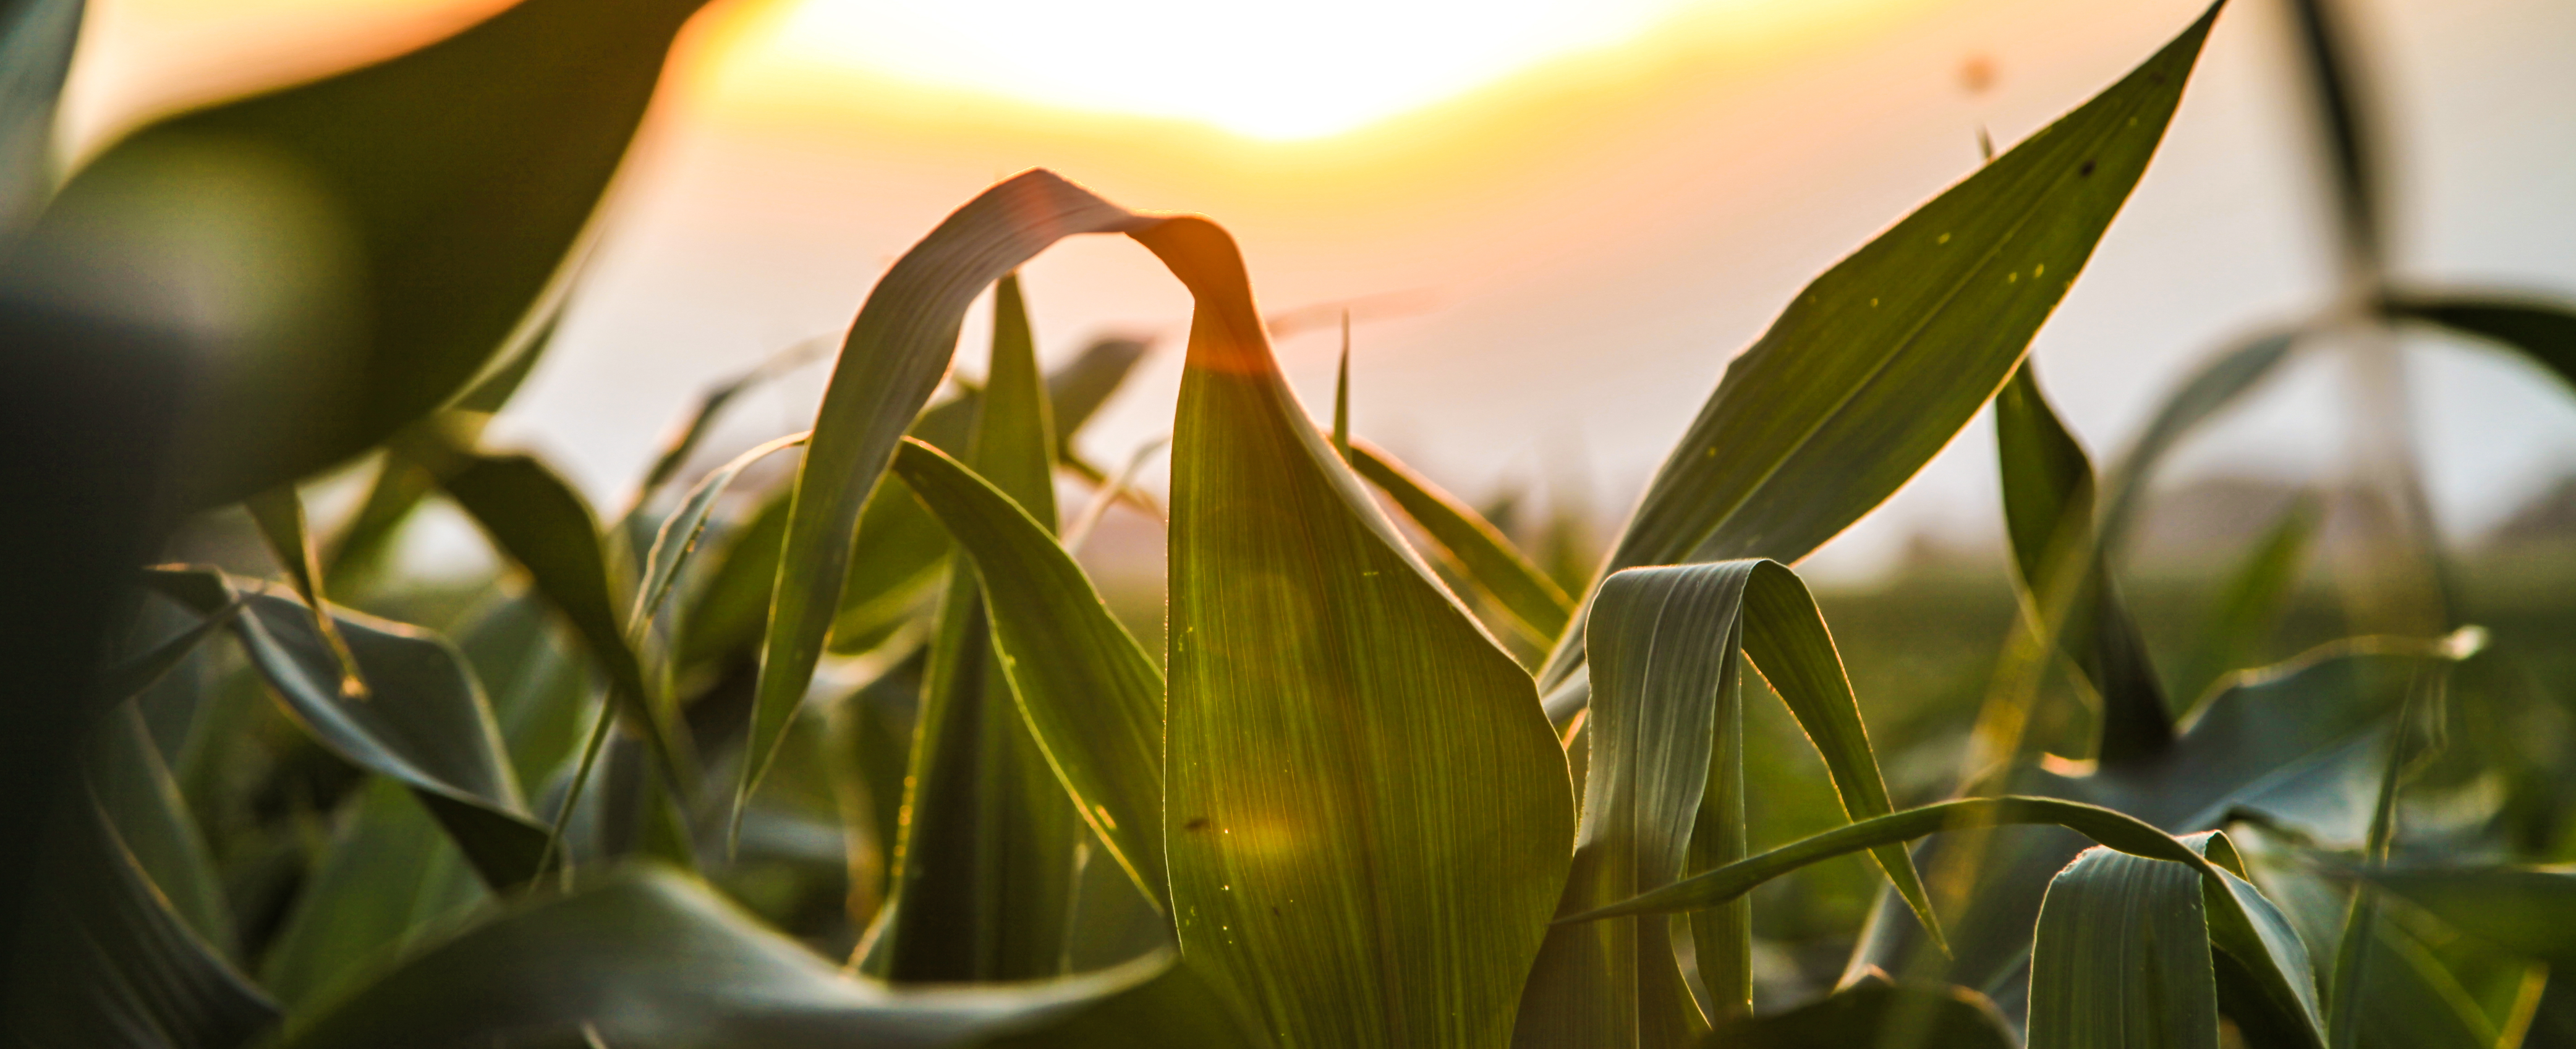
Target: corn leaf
[
  {"x": 1091, "y": 695},
  {"x": 104, "y": 963},
  {"x": 279, "y": 513},
  {"x": 2530, "y": 911},
  {"x": 2121, "y": 958},
  {"x": 1880, "y": 361},
  {"x": 467, "y": 172},
  {"x": 426, "y": 725},
  {"x": 2139, "y": 952},
  {"x": 2250, "y": 601},
  {"x": 1077, "y": 389},
  {"x": 1490, "y": 560},
  {"x": 1366, "y": 816},
  {"x": 654, "y": 960},
  {"x": 546, "y": 527},
  {"x": 1712, "y": 888},
  {"x": 387, "y": 876},
  {"x": 36, "y": 38},
  {"x": 1876, "y": 1012},
  {"x": 135, "y": 789},
  {"x": 2300, "y": 744},
  {"x": 2048, "y": 510},
  {"x": 896, "y": 352},
  {"x": 983, "y": 874},
  {"x": 2542, "y": 331}
]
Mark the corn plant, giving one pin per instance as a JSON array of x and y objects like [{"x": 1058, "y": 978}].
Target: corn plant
[{"x": 874, "y": 761}]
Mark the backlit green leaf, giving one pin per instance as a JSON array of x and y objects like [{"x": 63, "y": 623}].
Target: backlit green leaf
[
  {"x": 1880, "y": 361},
  {"x": 1367, "y": 816}
]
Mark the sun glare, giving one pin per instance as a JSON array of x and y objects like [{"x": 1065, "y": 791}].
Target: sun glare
[{"x": 1270, "y": 69}]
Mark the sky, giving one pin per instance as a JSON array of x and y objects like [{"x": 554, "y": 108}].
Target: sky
[{"x": 1555, "y": 219}]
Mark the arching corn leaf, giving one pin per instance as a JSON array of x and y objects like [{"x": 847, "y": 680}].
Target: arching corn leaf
[
  {"x": 1880, "y": 361},
  {"x": 1664, "y": 783},
  {"x": 427, "y": 723},
  {"x": 678, "y": 536},
  {"x": 467, "y": 172},
  {"x": 2048, "y": 511},
  {"x": 896, "y": 352},
  {"x": 1488, "y": 558},
  {"x": 654, "y": 960},
  {"x": 982, "y": 884},
  {"x": 1092, "y": 696},
  {"x": 1711, "y": 888},
  {"x": 1365, "y": 813},
  {"x": 2541, "y": 330}
]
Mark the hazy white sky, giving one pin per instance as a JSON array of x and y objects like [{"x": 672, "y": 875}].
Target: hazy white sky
[{"x": 1598, "y": 204}]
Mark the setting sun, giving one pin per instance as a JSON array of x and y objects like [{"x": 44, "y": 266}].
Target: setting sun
[{"x": 1269, "y": 70}]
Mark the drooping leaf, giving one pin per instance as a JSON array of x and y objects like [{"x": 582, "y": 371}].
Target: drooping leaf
[
  {"x": 2048, "y": 510},
  {"x": 2249, "y": 602},
  {"x": 427, "y": 723},
  {"x": 105, "y": 964},
  {"x": 1664, "y": 777},
  {"x": 1875, "y": 1013},
  {"x": 1487, "y": 557},
  {"x": 896, "y": 351},
  {"x": 466, "y": 171},
  {"x": 1366, "y": 815},
  {"x": 2542, "y": 331},
  {"x": 1711, "y": 888},
  {"x": 654, "y": 960},
  {"x": 982, "y": 885},
  {"x": 1881, "y": 360},
  {"x": 547, "y": 528},
  {"x": 1090, "y": 693}
]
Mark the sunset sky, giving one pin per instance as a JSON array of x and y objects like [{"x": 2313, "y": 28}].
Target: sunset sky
[{"x": 1560, "y": 217}]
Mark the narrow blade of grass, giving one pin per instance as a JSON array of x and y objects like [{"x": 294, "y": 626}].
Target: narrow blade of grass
[{"x": 1488, "y": 558}]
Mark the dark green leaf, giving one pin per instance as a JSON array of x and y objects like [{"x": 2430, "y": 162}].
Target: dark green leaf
[
  {"x": 2530, "y": 911},
  {"x": 1877, "y": 1013},
  {"x": 388, "y": 875},
  {"x": 1880, "y": 361},
  {"x": 2543, "y": 331},
  {"x": 2048, "y": 509},
  {"x": 2121, "y": 958},
  {"x": 466, "y": 171},
  {"x": 1480, "y": 549},
  {"x": 896, "y": 352},
  {"x": 1366, "y": 814},
  {"x": 426, "y": 724},
  {"x": 142, "y": 802},
  {"x": 1710, "y": 888},
  {"x": 279, "y": 513},
  {"x": 654, "y": 960}
]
